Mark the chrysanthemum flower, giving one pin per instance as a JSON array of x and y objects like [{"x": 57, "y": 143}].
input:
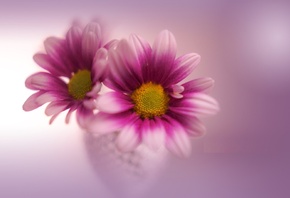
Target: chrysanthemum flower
[
  {"x": 148, "y": 104},
  {"x": 75, "y": 67}
]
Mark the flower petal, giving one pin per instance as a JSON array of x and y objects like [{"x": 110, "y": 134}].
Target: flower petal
[
  {"x": 196, "y": 104},
  {"x": 73, "y": 38},
  {"x": 153, "y": 133},
  {"x": 51, "y": 96},
  {"x": 143, "y": 53},
  {"x": 196, "y": 128},
  {"x": 44, "y": 61},
  {"x": 93, "y": 27},
  {"x": 178, "y": 141},
  {"x": 177, "y": 88},
  {"x": 184, "y": 66},
  {"x": 53, "y": 118},
  {"x": 54, "y": 48},
  {"x": 124, "y": 67},
  {"x": 163, "y": 56},
  {"x": 102, "y": 123},
  {"x": 55, "y": 107},
  {"x": 100, "y": 65},
  {"x": 57, "y": 50},
  {"x": 95, "y": 90},
  {"x": 84, "y": 115},
  {"x": 111, "y": 44},
  {"x": 31, "y": 103},
  {"x": 179, "y": 144},
  {"x": 164, "y": 48},
  {"x": 192, "y": 125},
  {"x": 45, "y": 81},
  {"x": 129, "y": 137},
  {"x": 198, "y": 85},
  {"x": 89, "y": 104},
  {"x": 113, "y": 102},
  {"x": 91, "y": 41},
  {"x": 141, "y": 46},
  {"x": 68, "y": 115},
  {"x": 176, "y": 95},
  {"x": 205, "y": 103},
  {"x": 89, "y": 47},
  {"x": 130, "y": 57},
  {"x": 176, "y": 91}
]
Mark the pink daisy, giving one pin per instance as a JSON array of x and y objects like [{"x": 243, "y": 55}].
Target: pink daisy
[
  {"x": 148, "y": 104},
  {"x": 75, "y": 67}
]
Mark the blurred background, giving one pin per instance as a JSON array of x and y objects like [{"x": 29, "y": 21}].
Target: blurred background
[{"x": 244, "y": 46}]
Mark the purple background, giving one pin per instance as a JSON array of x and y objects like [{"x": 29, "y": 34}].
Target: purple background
[{"x": 244, "y": 46}]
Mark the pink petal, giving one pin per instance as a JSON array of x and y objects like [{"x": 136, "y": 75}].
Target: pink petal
[
  {"x": 198, "y": 85},
  {"x": 89, "y": 104},
  {"x": 102, "y": 123},
  {"x": 178, "y": 142},
  {"x": 68, "y": 115},
  {"x": 91, "y": 41},
  {"x": 45, "y": 81},
  {"x": 153, "y": 134},
  {"x": 95, "y": 90},
  {"x": 204, "y": 103},
  {"x": 31, "y": 103},
  {"x": 143, "y": 51},
  {"x": 142, "y": 48},
  {"x": 55, "y": 107},
  {"x": 113, "y": 102},
  {"x": 184, "y": 67},
  {"x": 128, "y": 139},
  {"x": 203, "y": 108},
  {"x": 188, "y": 61},
  {"x": 163, "y": 56},
  {"x": 176, "y": 90},
  {"x": 53, "y": 118},
  {"x": 111, "y": 84},
  {"x": 73, "y": 38},
  {"x": 39, "y": 98},
  {"x": 124, "y": 65},
  {"x": 102, "y": 53},
  {"x": 51, "y": 96},
  {"x": 176, "y": 95},
  {"x": 128, "y": 53},
  {"x": 100, "y": 64},
  {"x": 120, "y": 77},
  {"x": 197, "y": 104},
  {"x": 55, "y": 48},
  {"x": 44, "y": 61},
  {"x": 84, "y": 116},
  {"x": 100, "y": 70},
  {"x": 112, "y": 44},
  {"x": 188, "y": 111},
  {"x": 193, "y": 126},
  {"x": 93, "y": 27},
  {"x": 197, "y": 128},
  {"x": 164, "y": 47},
  {"x": 90, "y": 45}
]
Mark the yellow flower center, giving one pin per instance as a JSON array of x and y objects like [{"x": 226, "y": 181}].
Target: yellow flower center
[
  {"x": 80, "y": 84},
  {"x": 150, "y": 100}
]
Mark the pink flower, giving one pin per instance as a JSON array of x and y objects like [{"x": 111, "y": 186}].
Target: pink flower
[
  {"x": 148, "y": 104},
  {"x": 75, "y": 67}
]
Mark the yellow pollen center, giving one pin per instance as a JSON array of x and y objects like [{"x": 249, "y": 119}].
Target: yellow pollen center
[
  {"x": 150, "y": 100},
  {"x": 80, "y": 84}
]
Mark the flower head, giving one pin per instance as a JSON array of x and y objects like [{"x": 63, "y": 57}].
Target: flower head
[
  {"x": 75, "y": 67},
  {"x": 148, "y": 104}
]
